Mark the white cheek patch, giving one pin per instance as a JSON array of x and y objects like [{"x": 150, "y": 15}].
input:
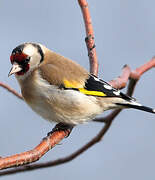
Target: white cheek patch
[
  {"x": 34, "y": 55},
  {"x": 29, "y": 50}
]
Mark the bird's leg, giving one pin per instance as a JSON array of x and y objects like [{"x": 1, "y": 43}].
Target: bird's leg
[{"x": 61, "y": 127}]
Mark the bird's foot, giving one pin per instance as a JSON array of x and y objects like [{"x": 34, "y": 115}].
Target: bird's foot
[{"x": 61, "y": 127}]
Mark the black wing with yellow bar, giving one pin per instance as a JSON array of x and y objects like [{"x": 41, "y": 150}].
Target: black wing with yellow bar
[{"x": 96, "y": 87}]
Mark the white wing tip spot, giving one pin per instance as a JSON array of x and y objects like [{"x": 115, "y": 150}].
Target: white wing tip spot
[
  {"x": 96, "y": 79},
  {"x": 107, "y": 87},
  {"x": 117, "y": 93},
  {"x": 136, "y": 103},
  {"x": 153, "y": 110}
]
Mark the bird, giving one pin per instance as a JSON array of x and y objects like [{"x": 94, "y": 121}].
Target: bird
[{"x": 62, "y": 91}]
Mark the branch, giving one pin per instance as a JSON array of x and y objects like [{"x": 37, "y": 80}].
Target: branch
[
  {"x": 121, "y": 81},
  {"x": 89, "y": 37},
  {"x": 30, "y": 156},
  {"x": 11, "y": 90},
  {"x": 66, "y": 159}
]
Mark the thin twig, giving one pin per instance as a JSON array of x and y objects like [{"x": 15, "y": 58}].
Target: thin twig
[
  {"x": 121, "y": 81},
  {"x": 90, "y": 42},
  {"x": 11, "y": 90}
]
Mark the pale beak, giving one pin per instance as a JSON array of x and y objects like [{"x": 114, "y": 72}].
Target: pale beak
[{"x": 15, "y": 68}]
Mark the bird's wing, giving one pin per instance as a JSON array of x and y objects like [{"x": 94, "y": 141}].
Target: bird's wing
[
  {"x": 67, "y": 74},
  {"x": 97, "y": 87},
  {"x": 76, "y": 78},
  {"x": 59, "y": 70},
  {"x": 88, "y": 84}
]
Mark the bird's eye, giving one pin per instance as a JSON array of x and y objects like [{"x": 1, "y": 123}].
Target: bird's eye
[{"x": 27, "y": 60}]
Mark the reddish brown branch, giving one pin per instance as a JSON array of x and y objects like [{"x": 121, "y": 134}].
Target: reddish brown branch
[
  {"x": 66, "y": 159},
  {"x": 122, "y": 80},
  {"x": 35, "y": 154},
  {"x": 5, "y": 86},
  {"x": 89, "y": 37},
  {"x": 142, "y": 69}
]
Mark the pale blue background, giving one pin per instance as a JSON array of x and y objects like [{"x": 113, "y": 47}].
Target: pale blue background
[{"x": 124, "y": 34}]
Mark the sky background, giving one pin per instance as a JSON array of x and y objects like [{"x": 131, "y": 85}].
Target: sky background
[{"x": 124, "y": 34}]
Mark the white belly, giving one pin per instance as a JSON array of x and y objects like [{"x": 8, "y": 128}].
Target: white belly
[{"x": 67, "y": 106}]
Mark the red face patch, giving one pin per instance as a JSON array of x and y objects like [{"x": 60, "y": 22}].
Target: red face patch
[
  {"x": 18, "y": 57},
  {"x": 21, "y": 59}
]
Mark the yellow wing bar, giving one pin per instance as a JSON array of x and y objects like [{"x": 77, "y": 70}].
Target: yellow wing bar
[
  {"x": 76, "y": 85},
  {"x": 93, "y": 93}
]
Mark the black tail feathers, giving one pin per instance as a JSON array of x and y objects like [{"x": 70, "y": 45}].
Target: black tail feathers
[{"x": 138, "y": 106}]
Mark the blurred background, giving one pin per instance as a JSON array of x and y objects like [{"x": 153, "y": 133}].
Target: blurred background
[{"x": 124, "y": 34}]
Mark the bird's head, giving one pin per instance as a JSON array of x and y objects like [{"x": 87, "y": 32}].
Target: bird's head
[{"x": 25, "y": 58}]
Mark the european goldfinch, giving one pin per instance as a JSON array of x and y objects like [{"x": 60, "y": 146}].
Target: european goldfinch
[{"x": 60, "y": 90}]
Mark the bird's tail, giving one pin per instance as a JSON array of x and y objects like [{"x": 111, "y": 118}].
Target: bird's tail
[{"x": 136, "y": 105}]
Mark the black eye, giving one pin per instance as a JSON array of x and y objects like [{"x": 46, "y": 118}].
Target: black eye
[{"x": 27, "y": 60}]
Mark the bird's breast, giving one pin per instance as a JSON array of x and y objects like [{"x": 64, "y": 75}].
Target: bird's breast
[{"x": 59, "y": 105}]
